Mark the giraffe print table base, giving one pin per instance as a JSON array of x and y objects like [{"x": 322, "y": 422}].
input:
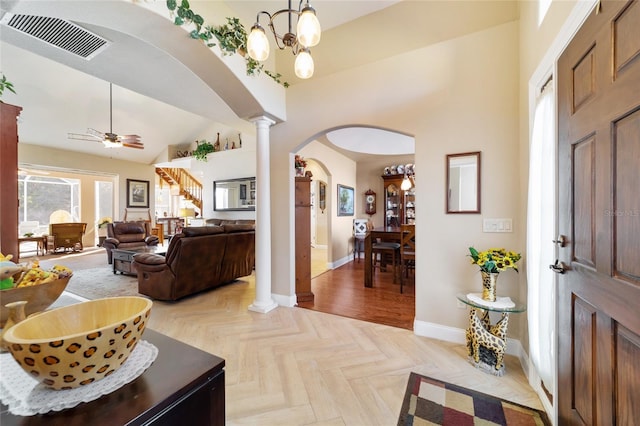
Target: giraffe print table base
[{"x": 486, "y": 343}]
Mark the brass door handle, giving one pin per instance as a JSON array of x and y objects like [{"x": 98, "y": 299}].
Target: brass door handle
[
  {"x": 558, "y": 267},
  {"x": 561, "y": 241}
]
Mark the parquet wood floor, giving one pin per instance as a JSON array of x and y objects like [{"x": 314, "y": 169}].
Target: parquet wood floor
[{"x": 296, "y": 366}]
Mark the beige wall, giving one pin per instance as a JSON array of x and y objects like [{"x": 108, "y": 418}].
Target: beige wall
[{"x": 456, "y": 96}]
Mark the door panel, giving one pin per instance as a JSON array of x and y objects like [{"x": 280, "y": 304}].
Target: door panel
[
  {"x": 584, "y": 331},
  {"x": 584, "y": 157},
  {"x": 599, "y": 210},
  {"x": 627, "y": 384},
  {"x": 627, "y": 206}
]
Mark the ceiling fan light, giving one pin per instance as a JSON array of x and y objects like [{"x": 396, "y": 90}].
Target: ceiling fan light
[
  {"x": 111, "y": 144},
  {"x": 258, "y": 44},
  {"x": 308, "y": 28},
  {"x": 304, "y": 66}
]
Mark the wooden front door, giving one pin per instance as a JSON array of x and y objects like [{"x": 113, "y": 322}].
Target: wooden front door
[{"x": 599, "y": 213}]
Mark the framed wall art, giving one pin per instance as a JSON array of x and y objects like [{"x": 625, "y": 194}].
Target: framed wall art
[
  {"x": 137, "y": 193},
  {"x": 345, "y": 200}
]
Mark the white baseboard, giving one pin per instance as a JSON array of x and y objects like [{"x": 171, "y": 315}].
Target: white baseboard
[
  {"x": 458, "y": 335},
  {"x": 338, "y": 263},
  {"x": 536, "y": 383}
]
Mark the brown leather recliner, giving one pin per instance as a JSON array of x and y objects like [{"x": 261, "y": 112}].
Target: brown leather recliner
[
  {"x": 200, "y": 258},
  {"x": 128, "y": 235}
]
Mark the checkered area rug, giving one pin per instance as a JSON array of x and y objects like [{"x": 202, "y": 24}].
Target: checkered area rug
[{"x": 431, "y": 402}]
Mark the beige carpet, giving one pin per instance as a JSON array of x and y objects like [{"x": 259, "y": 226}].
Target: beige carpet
[{"x": 96, "y": 283}]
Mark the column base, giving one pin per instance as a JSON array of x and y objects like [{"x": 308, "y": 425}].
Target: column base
[{"x": 263, "y": 308}]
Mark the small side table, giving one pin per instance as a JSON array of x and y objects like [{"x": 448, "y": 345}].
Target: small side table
[{"x": 486, "y": 342}]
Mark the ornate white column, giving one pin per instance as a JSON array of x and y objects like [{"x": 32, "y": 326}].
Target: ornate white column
[{"x": 263, "y": 302}]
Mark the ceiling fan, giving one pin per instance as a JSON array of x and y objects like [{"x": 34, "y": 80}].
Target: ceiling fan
[{"x": 109, "y": 139}]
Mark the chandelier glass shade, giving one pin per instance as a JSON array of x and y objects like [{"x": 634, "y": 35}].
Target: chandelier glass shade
[
  {"x": 304, "y": 64},
  {"x": 307, "y": 35}
]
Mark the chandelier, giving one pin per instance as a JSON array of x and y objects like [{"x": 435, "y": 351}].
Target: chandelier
[{"x": 307, "y": 35}]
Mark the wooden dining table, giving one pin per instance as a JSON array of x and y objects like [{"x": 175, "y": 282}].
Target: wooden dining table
[{"x": 385, "y": 233}]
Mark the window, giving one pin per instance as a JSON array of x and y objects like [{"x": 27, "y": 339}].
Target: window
[
  {"x": 104, "y": 199},
  {"x": 39, "y": 196}
]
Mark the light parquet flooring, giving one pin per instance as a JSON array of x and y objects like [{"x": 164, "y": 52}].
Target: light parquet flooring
[{"x": 295, "y": 366}]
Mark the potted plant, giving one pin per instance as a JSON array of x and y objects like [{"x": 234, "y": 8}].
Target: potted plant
[
  {"x": 102, "y": 223},
  {"x": 491, "y": 263},
  {"x": 5, "y": 84},
  {"x": 300, "y": 164},
  {"x": 202, "y": 149}
]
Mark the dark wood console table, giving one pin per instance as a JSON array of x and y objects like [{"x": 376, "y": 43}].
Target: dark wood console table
[{"x": 184, "y": 384}]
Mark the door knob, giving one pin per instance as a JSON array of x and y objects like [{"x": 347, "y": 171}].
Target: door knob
[
  {"x": 561, "y": 241},
  {"x": 558, "y": 267}
]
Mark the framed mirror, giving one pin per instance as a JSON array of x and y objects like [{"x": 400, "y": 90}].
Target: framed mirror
[
  {"x": 234, "y": 194},
  {"x": 463, "y": 182}
]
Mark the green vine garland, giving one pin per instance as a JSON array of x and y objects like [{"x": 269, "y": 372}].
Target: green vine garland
[{"x": 231, "y": 37}]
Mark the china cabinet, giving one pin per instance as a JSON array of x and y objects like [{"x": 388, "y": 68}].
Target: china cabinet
[{"x": 399, "y": 205}]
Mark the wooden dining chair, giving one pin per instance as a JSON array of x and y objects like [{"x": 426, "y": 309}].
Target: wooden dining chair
[
  {"x": 407, "y": 252},
  {"x": 383, "y": 250}
]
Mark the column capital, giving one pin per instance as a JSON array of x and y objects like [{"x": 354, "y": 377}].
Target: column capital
[{"x": 262, "y": 119}]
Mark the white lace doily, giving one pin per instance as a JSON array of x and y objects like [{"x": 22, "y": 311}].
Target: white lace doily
[
  {"x": 501, "y": 302},
  {"x": 25, "y": 396}
]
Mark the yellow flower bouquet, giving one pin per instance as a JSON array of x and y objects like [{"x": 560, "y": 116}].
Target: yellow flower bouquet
[{"x": 494, "y": 260}]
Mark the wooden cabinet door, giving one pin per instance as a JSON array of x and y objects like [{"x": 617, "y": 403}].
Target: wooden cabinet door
[
  {"x": 303, "y": 239},
  {"x": 9, "y": 179},
  {"x": 599, "y": 212}
]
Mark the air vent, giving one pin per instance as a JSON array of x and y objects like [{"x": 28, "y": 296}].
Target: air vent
[{"x": 59, "y": 33}]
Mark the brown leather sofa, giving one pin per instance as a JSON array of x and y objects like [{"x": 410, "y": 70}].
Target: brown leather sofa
[
  {"x": 199, "y": 258},
  {"x": 128, "y": 235},
  {"x": 220, "y": 222}
]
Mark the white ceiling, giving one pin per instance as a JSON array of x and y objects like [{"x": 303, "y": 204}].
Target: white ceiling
[{"x": 156, "y": 96}]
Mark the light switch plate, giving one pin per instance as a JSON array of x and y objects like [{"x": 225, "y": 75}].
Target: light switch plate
[{"x": 497, "y": 225}]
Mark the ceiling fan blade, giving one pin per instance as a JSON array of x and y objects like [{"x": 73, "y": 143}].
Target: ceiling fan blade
[
  {"x": 95, "y": 133},
  {"x": 129, "y": 138},
  {"x": 136, "y": 145},
  {"x": 84, "y": 137}
]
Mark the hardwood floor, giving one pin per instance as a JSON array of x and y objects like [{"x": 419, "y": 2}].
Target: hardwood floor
[
  {"x": 341, "y": 291},
  {"x": 294, "y": 366}
]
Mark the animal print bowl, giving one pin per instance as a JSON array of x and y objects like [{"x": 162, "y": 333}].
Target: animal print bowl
[{"x": 75, "y": 345}]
